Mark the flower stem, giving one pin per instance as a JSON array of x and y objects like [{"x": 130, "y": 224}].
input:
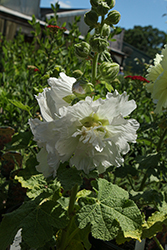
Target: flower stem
[
  {"x": 102, "y": 25},
  {"x": 64, "y": 240},
  {"x": 94, "y": 68},
  {"x": 130, "y": 182},
  {"x": 158, "y": 243},
  {"x": 72, "y": 200},
  {"x": 161, "y": 140},
  {"x": 143, "y": 182}
]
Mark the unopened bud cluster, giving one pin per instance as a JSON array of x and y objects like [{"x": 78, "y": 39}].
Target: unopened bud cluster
[
  {"x": 109, "y": 70},
  {"x": 100, "y": 18},
  {"x": 102, "y": 30},
  {"x": 82, "y": 49}
]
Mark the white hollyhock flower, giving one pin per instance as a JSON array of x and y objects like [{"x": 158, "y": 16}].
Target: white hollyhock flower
[
  {"x": 157, "y": 74},
  {"x": 51, "y": 99},
  {"x": 90, "y": 134}
]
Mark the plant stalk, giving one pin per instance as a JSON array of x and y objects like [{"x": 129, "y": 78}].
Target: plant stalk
[
  {"x": 143, "y": 182},
  {"x": 94, "y": 68},
  {"x": 158, "y": 243},
  {"x": 65, "y": 232},
  {"x": 161, "y": 140}
]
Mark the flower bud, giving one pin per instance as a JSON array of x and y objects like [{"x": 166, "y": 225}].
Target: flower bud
[
  {"x": 77, "y": 73},
  {"x": 98, "y": 44},
  {"x": 113, "y": 17},
  {"x": 91, "y": 18},
  {"x": 105, "y": 56},
  {"x": 56, "y": 71},
  {"x": 106, "y": 30},
  {"x": 102, "y": 8},
  {"x": 111, "y": 3},
  {"x": 94, "y": 3},
  {"x": 82, "y": 87},
  {"x": 109, "y": 70},
  {"x": 82, "y": 49}
]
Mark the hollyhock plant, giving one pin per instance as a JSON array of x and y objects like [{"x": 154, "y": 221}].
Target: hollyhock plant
[
  {"x": 157, "y": 75},
  {"x": 83, "y": 129},
  {"x": 90, "y": 134}
]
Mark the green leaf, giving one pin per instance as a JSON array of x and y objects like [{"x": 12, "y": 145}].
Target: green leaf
[
  {"x": 37, "y": 219},
  {"x": 35, "y": 182},
  {"x": 109, "y": 211},
  {"x": 155, "y": 222},
  {"x": 147, "y": 196},
  {"x": 68, "y": 176},
  {"x": 148, "y": 161},
  {"x": 20, "y": 140},
  {"x": 107, "y": 85},
  {"x": 69, "y": 98},
  {"x": 21, "y": 105},
  {"x": 75, "y": 245}
]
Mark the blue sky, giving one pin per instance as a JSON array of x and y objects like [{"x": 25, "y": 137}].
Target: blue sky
[{"x": 133, "y": 12}]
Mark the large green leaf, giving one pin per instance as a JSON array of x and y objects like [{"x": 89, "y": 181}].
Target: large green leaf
[
  {"x": 109, "y": 211},
  {"x": 155, "y": 222},
  {"x": 68, "y": 176},
  {"x": 35, "y": 182},
  {"x": 37, "y": 218}
]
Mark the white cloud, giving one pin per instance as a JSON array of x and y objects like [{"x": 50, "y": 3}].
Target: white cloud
[{"x": 62, "y": 4}]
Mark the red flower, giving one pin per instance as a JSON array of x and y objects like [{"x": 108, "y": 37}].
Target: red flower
[
  {"x": 36, "y": 69},
  {"x": 139, "y": 78},
  {"x": 55, "y": 28}
]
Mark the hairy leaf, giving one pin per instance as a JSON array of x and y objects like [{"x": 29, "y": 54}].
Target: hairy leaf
[
  {"x": 68, "y": 176},
  {"x": 109, "y": 211},
  {"x": 155, "y": 222},
  {"x": 36, "y": 218}
]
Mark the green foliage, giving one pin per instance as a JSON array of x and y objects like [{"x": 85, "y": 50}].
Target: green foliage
[
  {"x": 155, "y": 222},
  {"x": 68, "y": 177},
  {"x": 147, "y": 39},
  {"x": 25, "y": 68},
  {"x": 109, "y": 211},
  {"x": 37, "y": 218}
]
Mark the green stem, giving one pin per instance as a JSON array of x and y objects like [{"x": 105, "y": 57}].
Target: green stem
[
  {"x": 130, "y": 182},
  {"x": 71, "y": 236},
  {"x": 94, "y": 68},
  {"x": 161, "y": 140},
  {"x": 64, "y": 240},
  {"x": 158, "y": 243},
  {"x": 72, "y": 200},
  {"x": 102, "y": 25},
  {"x": 143, "y": 182}
]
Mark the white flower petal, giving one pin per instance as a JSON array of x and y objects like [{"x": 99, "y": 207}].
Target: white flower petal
[
  {"x": 157, "y": 73},
  {"x": 90, "y": 134},
  {"x": 82, "y": 158},
  {"x": 51, "y": 99},
  {"x": 47, "y": 105},
  {"x": 48, "y": 163},
  {"x": 116, "y": 104},
  {"x": 42, "y": 131}
]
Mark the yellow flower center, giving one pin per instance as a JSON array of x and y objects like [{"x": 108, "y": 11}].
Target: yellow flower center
[{"x": 93, "y": 121}]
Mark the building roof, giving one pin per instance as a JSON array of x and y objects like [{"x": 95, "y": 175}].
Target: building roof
[{"x": 6, "y": 11}]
